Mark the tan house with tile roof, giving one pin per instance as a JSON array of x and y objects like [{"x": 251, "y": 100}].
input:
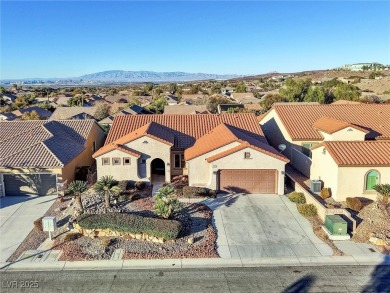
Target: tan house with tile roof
[
  {"x": 346, "y": 146},
  {"x": 225, "y": 152},
  {"x": 37, "y": 156}
]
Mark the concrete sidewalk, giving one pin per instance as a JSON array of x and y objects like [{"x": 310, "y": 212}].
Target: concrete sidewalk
[{"x": 194, "y": 263}]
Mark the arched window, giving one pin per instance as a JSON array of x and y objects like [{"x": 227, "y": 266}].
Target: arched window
[{"x": 372, "y": 179}]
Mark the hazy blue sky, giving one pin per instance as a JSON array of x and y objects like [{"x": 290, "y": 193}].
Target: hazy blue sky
[{"x": 65, "y": 39}]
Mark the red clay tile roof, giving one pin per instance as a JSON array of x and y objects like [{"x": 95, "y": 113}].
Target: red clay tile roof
[
  {"x": 299, "y": 119},
  {"x": 331, "y": 125},
  {"x": 358, "y": 153},
  {"x": 226, "y": 134},
  {"x": 151, "y": 129},
  {"x": 114, "y": 146},
  {"x": 185, "y": 129},
  {"x": 42, "y": 143}
]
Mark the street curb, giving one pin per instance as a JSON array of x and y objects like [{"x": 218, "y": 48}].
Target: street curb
[{"x": 187, "y": 263}]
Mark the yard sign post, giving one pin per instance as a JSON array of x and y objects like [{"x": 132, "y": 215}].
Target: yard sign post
[{"x": 49, "y": 224}]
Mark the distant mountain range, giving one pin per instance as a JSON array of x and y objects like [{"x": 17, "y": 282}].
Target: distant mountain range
[
  {"x": 133, "y": 76},
  {"x": 140, "y": 76}
]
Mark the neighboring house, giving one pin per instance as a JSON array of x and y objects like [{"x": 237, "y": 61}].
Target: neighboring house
[
  {"x": 186, "y": 109},
  {"x": 172, "y": 100},
  {"x": 223, "y": 108},
  {"x": 66, "y": 113},
  {"x": 37, "y": 156},
  {"x": 346, "y": 146},
  {"x": 227, "y": 91},
  {"x": 197, "y": 99},
  {"x": 8, "y": 98},
  {"x": 116, "y": 99},
  {"x": 245, "y": 98},
  {"x": 132, "y": 110},
  {"x": 226, "y": 152},
  {"x": 62, "y": 100},
  {"x": 143, "y": 100},
  {"x": 17, "y": 114}
]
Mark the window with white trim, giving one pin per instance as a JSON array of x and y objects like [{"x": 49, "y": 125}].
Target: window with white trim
[{"x": 105, "y": 161}]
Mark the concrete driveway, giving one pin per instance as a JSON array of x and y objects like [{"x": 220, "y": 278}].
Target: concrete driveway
[
  {"x": 17, "y": 214},
  {"x": 254, "y": 226}
]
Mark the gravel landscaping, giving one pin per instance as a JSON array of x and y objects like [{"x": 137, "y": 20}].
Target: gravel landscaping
[{"x": 196, "y": 240}]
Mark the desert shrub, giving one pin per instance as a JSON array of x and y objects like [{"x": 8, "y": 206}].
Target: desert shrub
[
  {"x": 354, "y": 204},
  {"x": 140, "y": 185},
  {"x": 131, "y": 223},
  {"x": 213, "y": 193},
  {"x": 192, "y": 191},
  {"x": 106, "y": 242},
  {"x": 123, "y": 185},
  {"x": 325, "y": 193},
  {"x": 383, "y": 189},
  {"x": 307, "y": 210},
  {"x": 38, "y": 224},
  {"x": 72, "y": 237},
  {"x": 165, "y": 202},
  {"x": 297, "y": 197},
  {"x": 122, "y": 198}
]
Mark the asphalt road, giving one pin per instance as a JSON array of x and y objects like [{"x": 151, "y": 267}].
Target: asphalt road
[{"x": 263, "y": 279}]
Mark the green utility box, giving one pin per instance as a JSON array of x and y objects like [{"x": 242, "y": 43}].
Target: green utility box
[{"x": 336, "y": 225}]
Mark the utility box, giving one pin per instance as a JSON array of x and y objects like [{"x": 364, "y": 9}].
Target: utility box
[
  {"x": 336, "y": 225},
  {"x": 315, "y": 186}
]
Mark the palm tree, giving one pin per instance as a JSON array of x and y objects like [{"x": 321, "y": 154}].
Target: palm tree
[
  {"x": 107, "y": 186},
  {"x": 76, "y": 188}
]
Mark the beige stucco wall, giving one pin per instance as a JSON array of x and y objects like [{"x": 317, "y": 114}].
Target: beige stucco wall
[
  {"x": 199, "y": 168},
  {"x": 346, "y": 134},
  {"x": 324, "y": 168},
  {"x": 85, "y": 157},
  {"x": 208, "y": 176},
  {"x": 344, "y": 181},
  {"x": 136, "y": 171},
  {"x": 277, "y": 134},
  {"x": 352, "y": 181}
]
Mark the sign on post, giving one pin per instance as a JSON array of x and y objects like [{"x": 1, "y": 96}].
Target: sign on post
[{"x": 49, "y": 224}]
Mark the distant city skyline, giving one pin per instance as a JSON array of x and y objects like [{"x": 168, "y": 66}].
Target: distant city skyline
[{"x": 70, "y": 39}]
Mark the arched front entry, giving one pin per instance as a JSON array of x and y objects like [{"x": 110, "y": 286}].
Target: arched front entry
[{"x": 157, "y": 167}]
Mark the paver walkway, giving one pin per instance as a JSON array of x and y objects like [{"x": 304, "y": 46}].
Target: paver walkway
[{"x": 158, "y": 182}]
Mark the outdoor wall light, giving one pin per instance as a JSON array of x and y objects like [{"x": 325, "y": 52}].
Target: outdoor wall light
[
  {"x": 282, "y": 172},
  {"x": 215, "y": 172},
  {"x": 324, "y": 151}
]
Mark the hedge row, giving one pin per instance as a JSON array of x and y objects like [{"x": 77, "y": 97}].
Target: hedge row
[
  {"x": 191, "y": 191},
  {"x": 130, "y": 223}
]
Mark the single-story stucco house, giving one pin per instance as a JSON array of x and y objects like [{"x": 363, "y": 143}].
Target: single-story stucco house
[
  {"x": 226, "y": 152},
  {"x": 38, "y": 156},
  {"x": 346, "y": 146}
]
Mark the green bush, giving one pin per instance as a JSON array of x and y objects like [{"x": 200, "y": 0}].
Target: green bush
[
  {"x": 325, "y": 193},
  {"x": 165, "y": 202},
  {"x": 307, "y": 210},
  {"x": 192, "y": 191},
  {"x": 354, "y": 204},
  {"x": 297, "y": 197},
  {"x": 140, "y": 185},
  {"x": 131, "y": 223},
  {"x": 38, "y": 224}
]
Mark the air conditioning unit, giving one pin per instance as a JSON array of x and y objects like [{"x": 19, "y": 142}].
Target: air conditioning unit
[{"x": 315, "y": 186}]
